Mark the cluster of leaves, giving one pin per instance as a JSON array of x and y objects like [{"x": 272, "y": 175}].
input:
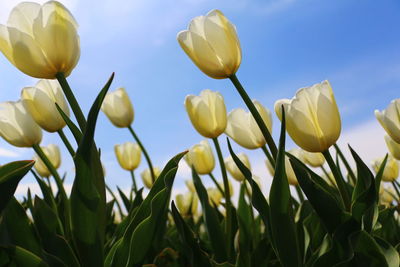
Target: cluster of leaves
[{"x": 82, "y": 231}]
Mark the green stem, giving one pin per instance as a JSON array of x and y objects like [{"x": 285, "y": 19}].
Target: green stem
[
  {"x": 80, "y": 118},
  {"x": 60, "y": 186},
  {"x": 133, "y": 181},
  {"x": 299, "y": 193},
  {"x": 346, "y": 164},
  {"x": 256, "y": 115},
  {"x": 116, "y": 201},
  {"x": 66, "y": 142},
  {"x": 146, "y": 155},
  {"x": 216, "y": 184},
  {"x": 269, "y": 157},
  {"x": 325, "y": 171},
  {"x": 228, "y": 225},
  {"x": 395, "y": 185},
  {"x": 339, "y": 179}
]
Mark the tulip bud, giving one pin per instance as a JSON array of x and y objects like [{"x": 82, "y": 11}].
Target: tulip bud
[
  {"x": 214, "y": 196},
  {"x": 52, "y": 152},
  {"x": 389, "y": 118},
  {"x": 17, "y": 126},
  {"x": 128, "y": 155},
  {"x": 386, "y": 195},
  {"x": 40, "y": 103},
  {"x": 233, "y": 169},
  {"x": 41, "y": 40},
  {"x": 312, "y": 117},
  {"x": 146, "y": 176},
  {"x": 187, "y": 203},
  {"x": 313, "y": 159},
  {"x": 207, "y": 113},
  {"x": 201, "y": 157},
  {"x": 291, "y": 176},
  {"x": 118, "y": 108},
  {"x": 391, "y": 170},
  {"x": 243, "y": 128},
  {"x": 394, "y": 148},
  {"x": 212, "y": 44}
]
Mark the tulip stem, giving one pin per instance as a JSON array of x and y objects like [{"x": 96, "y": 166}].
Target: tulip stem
[
  {"x": 133, "y": 182},
  {"x": 60, "y": 186},
  {"x": 80, "y": 118},
  {"x": 396, "y": 189},
  {"x": 66, "y": 142},
  {"x": 216, "y": 184},
  {"x": 269, "y": 157},
  {"x": 346, "y": 164},
  {"x": 299, "y": 193},
  {"x": 256, "y": 115},
  {"x": 339, "y": 179},
  {"x": 228, "y": 207},
  {"x": 153, "y": 177},
  {"x": 116, "y": 200}
]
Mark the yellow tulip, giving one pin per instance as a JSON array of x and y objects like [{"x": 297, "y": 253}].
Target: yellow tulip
[
  {"x": 386, "y": 195},
  {"x": 41, "y": 40},
  {"x": 201, "y": 157},
  {"x": 214, "y": 196},
  {"x": 40, "y": 103},
  {"x": 146, "y": 176},
  {"x": 17, "y": 126},
  {"x": 128, "y": 155},
  {"x": 212, "y": 44},
  {"x": 312, "y": 117},
  {"x": 190, "y": 186},
  {"x": 389, "y": 118},
  {"x": 118, "y": 108},
  {"x": 394, "y": 148},
  {"x": 187, "y": 204},
  {"x": 52, "y": 152},
  {"x": 207, "y": 113},
  {"x": 243, "y": 128},
  {"x": 291, "y": 176},
  {"x": 313, "y": 159},
  {"x": 391, "y": 170},
  {"x": 233, "y": 169}
]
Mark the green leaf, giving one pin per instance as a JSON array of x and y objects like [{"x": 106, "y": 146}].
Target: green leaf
[
  {"x": 10, "y": 175},
  {"x": 76, "y": 132},
  {"x": 389, "y": 252},
  {"x": 125, "y": 199},
  {"x": 215, "y": 233},
  {"x": 18, "y": 256},
  {"x": 192, "y": 251},
  {"x": 282, "y": 221},
  {"x": 244, "y": 218}
]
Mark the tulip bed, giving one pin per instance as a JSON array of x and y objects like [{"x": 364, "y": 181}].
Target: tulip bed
[{"x": 334, "y": 219}]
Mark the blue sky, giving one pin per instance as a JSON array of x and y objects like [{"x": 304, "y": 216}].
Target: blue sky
[{"x": 287, "y": 44}]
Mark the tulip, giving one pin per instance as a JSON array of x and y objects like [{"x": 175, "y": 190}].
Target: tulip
[
  {"x": 40, "y": 103},
  {"x": 291, "y": 176},
  {"x": 391, "y": 170},
  {"x": 243, "y": 128},
  {"x": 233, "y": 169},
  {"x": 190, "y": 186},
  {"x": 118, "y": 108},
  {"x": 187, "y": 204},
  {"x": 128, "y": 155},
  {"x": 146, "y": 176},
  {"x": 212, "y": 44},
  {"x": 214, "y": 196},
  {"x": 17, "y": 126},
  {"x": 389, "y": 118},
  {"x": 201, "y": 157},
  {"x": 394, "y": 148},
  {"x": 313, "y": 159},
  {"x": 386, "y": 195},
  {"x": 52, "y": 152},
  {"x": 41, "y": 40},
  {"x": 312, "y": 117},
  {"x": 207, "y": 113}
]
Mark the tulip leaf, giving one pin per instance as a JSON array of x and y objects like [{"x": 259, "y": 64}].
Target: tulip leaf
[
  {"x": 10, "y": 175},
  {"x": 88, "y": 201},
  {"x": 244, "y": 218},
  {"x": 165, "y": 179},
  {"x": 18, "y": 256},
  {"x": 389, "y": 252},
  {"x": 125, "y": 199},
  {"x": 192, "y": 251},
  {"x": 281, "y": 213},
  {"x": 323, "y": 203},
  {"x": 215, "y": 234},
  {"x": 76, "y": 132}
]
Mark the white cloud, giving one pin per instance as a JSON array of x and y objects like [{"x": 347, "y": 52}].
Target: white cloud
[{"x": 8, "y": 153}]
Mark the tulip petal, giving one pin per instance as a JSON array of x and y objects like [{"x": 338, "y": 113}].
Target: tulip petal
[
  {"x": 23, "y": 15},
  {"x": 5, "y": 45}
]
